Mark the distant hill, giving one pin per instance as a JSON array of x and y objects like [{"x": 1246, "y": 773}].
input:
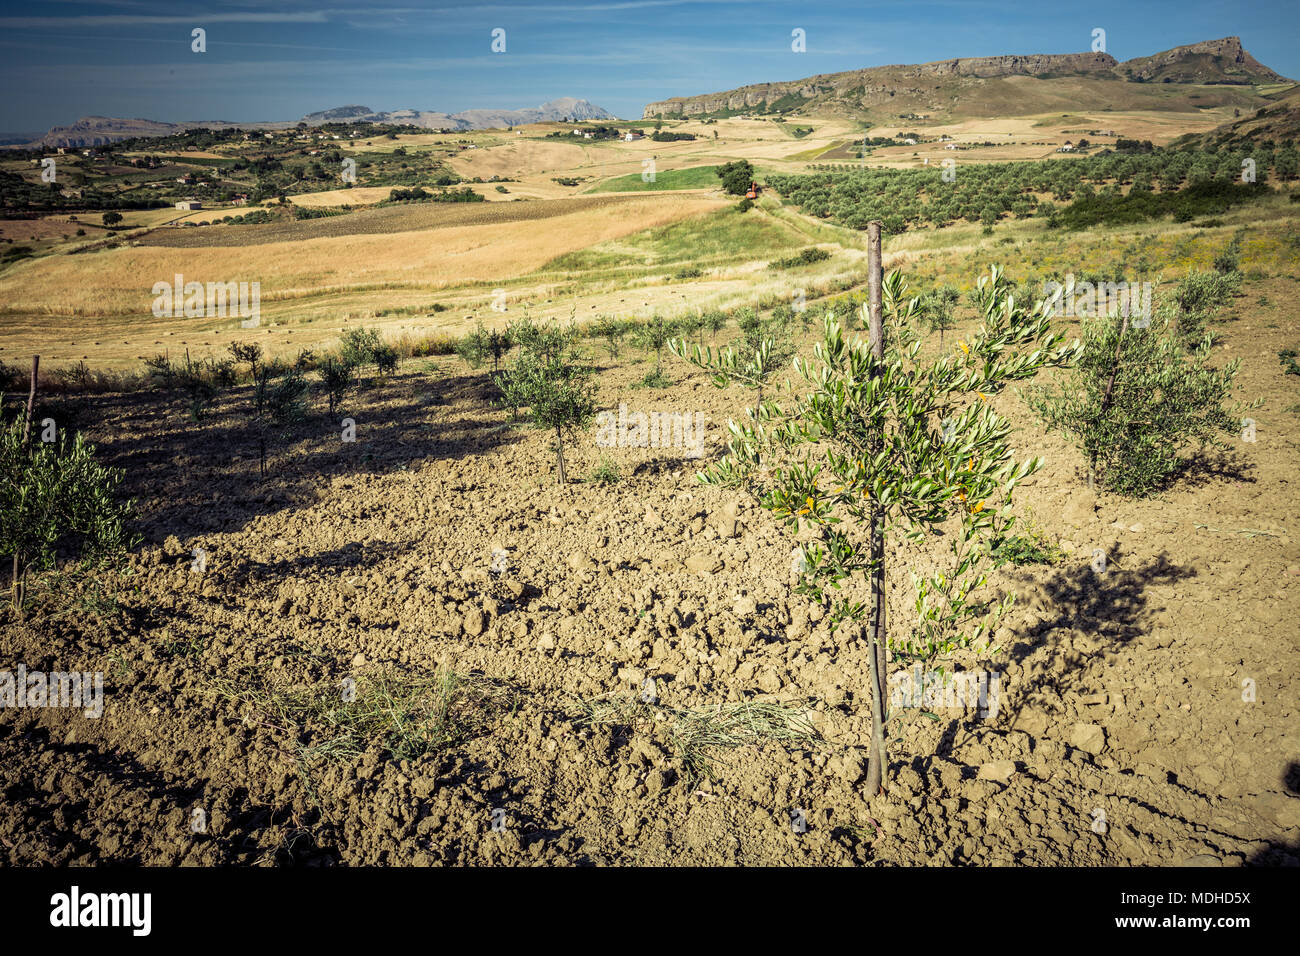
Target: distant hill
[
  {"x": 1278, "y": 121},
  {"x": 1005, "y": 85},
  {"x": 564, "y": 108},
  {"x": 102, "y": 130}
]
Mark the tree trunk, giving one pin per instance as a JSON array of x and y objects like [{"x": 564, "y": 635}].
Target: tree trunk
[
  {"x": 876, "y": 625},
  {"x": 1106, "y": 400}
]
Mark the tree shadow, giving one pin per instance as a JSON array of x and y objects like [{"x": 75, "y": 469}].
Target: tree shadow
[
  {"x": 1281, "y": 853},
  {"x": 1114, "y": 606},
  {"x": 192, "y": 477}
]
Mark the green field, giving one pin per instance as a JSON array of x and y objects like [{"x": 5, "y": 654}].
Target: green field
[{"x": 696, "y": 177}]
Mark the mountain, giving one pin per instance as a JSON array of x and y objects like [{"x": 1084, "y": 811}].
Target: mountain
[
  {"x": 1213, "y": 61},
  {"x": 984, "y": 86},
  {"x": 566, "y": 107},
  {"x": 102, "y": 130}
]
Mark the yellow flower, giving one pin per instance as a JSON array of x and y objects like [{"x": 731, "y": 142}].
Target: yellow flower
[
  {"x": 983, "y": 397},
  {"x": 977, "y": 509},
  {"x": 964, "y": 347}
]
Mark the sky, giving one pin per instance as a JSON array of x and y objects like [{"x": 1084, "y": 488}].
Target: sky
[{"x": 64, "y": 59}]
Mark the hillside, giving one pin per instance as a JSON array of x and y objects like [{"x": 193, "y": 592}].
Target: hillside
[
  {"x": 1278, "y": 121},
  {"x": 564, "y": 108},
  {"x": 102, "y": 130},
  {"x": 986, "y": 86}
]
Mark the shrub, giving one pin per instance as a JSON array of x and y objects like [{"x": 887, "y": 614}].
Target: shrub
[
  {"x": 278, "y": 401},
  {"x": 1287, "y": 358},
  {"x": 606, "y": 473},
  {"x": 651, "y": 336},
  {"x": 474, "y": 347},
  {"x": 1136, "y": 400},
  {"x": 611, "y": 330},
  {"x": 551, "y": 379},
  {"x": 337, "y": 378},
  {"x": 56, "y": 496},
  {"x": 805, "y": 258}
]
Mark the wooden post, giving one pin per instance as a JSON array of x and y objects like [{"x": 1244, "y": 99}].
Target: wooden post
[
  {"x": 31, "y": 398},
  {"x": 876, "y": 624},
  {"x": 16, "y": 595}
]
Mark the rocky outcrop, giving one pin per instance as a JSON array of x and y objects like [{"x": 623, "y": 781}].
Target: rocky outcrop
[{"x": 1212, "y": 61}]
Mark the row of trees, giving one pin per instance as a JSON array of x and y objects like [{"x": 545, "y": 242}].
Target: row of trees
[{"x": 985, "y": 192}]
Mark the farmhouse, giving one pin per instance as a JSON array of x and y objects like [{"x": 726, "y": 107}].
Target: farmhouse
[{"x": 189, "y": 204}]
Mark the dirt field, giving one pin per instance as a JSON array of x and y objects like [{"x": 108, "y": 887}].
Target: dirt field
[{"x": 438, "y": 542}]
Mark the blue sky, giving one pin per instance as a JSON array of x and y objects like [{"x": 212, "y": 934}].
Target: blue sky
[{"x": 63, "y": 59}]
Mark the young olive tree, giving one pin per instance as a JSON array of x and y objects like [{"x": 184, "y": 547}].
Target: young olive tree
[
  {"x": 552, "y": 379},
  {"x": 863, "y": 454},
  {"x": 1138, "y": 399},
  {"x": 52, "y": 496}
]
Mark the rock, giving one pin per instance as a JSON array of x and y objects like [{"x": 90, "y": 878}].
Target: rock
[
  {"x": 702, "y": 563},
  {"x": 580, "y": 561},
  {"x": 1090, "y": 738},
  {"x": 1033, "y": 722},
  {"x": 1137, "y": 527},
  {"x": 1202, "y": 859},
  {"x": 769, "y": 682},
  {"x": 652, "y": 519},
  {"x": 1282, "y": 808},
  {"x": 283, "y": 605},
  {"x": 359, "y": 660},
  {"x": 725, "y": 520},
  {"x": 745, "y": 607},
  {"x": 475, "y": 622},
  {"x": 631, "y": 675},
  {"x": 853, "y": 768},
  {"x": 999, "y": 771},
  {"x": 1080, "y": 509},
  {"x": 546, "y": 642}
]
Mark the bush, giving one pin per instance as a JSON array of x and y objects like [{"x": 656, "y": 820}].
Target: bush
[
  {"x": 362, "y": 347},
  {"x": 611, "y": 330},
  {"x": 474, "y": 347},
  {"x": 551, "y": 379},
  {"x": 805, "y": 258},
  {"x": 337, "y": 378},
  {"x": 1133, "y": 429},
  {"x": 53, "y": 497}
]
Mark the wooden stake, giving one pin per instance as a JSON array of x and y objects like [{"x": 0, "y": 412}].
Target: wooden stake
[
  {"x": 31, "y": 398},
  {"x": 16, "y": 580},
  {"x": 876, "y": 624}
]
